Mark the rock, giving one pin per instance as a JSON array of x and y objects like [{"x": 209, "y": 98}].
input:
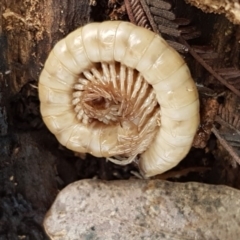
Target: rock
[{"x": 140, "y": 209}]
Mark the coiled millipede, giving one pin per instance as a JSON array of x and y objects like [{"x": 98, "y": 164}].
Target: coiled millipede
[{"x": 114, "y": 89}]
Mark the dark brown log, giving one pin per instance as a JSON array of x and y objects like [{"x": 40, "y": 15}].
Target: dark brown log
[
  {"x": 28, "y": 181},
  {"x": 32, "y": 27}
]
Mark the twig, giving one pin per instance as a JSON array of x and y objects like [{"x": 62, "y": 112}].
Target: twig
[
  {"x": 226, "y": 124},
  {"x": 226, "y": 145},
  {"x": 181, "y": 173},
  {"x": 209, "y": 68}
]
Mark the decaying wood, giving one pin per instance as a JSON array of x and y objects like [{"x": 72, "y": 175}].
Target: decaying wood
[
  {"x": 32, "y": 27},
  {"x": 208, "y": 112},
  {"x": 28, "y": 184}
]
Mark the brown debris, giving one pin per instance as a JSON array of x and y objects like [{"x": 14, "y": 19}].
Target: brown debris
[
  {"x": 209, "y": 110},
  {"x": 31, "y": 20},
  {"x": 232, "y": 75},
  {"x": 136, "y": 14},
  {"x": 228, "y": 128},
  {"x": 230, "y": 8},
  {"x": 158, "y": 17},
  {"x": 230, "y": 118},
  {"x": 229, "y": 113},
  {"x": 233, "y": 153},
  {"x": 210, "y": 68},
  {"x": 118, "y": 10}
]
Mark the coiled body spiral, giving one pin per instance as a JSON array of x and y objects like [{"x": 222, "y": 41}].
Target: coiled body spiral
[{"x": 114, "y": 89}]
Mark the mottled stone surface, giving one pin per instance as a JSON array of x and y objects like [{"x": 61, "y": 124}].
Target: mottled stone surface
[{"x": 139, "y": 209}]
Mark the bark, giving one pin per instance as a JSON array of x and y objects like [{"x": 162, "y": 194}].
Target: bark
[
  {"x": 32, "y": 27},
  {"x": 28, "y": 182}
]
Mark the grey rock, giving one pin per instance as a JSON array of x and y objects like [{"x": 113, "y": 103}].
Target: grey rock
[{"x": 140, "y": 209}]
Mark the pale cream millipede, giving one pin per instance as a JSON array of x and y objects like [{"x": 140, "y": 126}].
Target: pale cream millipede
[{"x": 119, "y": 91}]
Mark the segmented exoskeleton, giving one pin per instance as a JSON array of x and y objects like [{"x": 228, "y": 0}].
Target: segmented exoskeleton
[{"x": 114, "y": 89}]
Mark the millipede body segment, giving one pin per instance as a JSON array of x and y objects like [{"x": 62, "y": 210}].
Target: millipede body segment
[{"x": 114, "y": 89}]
